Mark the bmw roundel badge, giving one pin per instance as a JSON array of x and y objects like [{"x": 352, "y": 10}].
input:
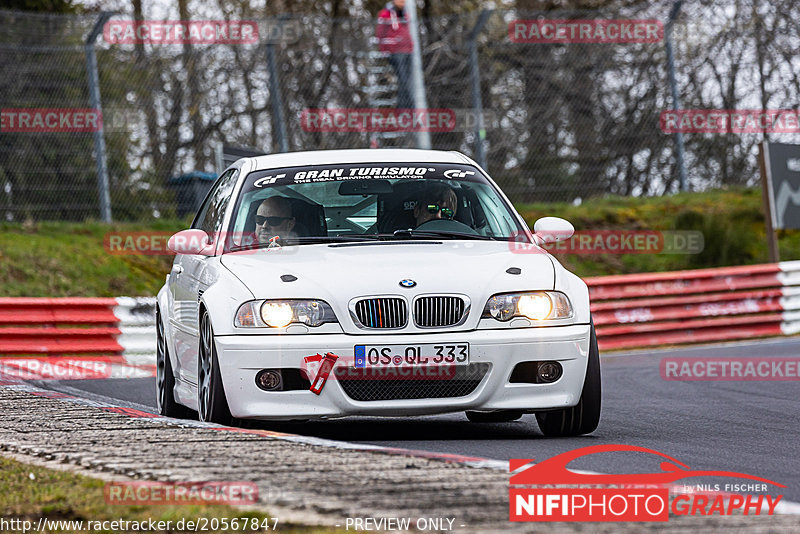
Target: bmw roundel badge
[{"x": 408, "y": 282}]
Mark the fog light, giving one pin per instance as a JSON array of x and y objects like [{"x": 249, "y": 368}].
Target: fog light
[
  {"x": 549, "y": 372},
  {"x": 269, "y": 380}
]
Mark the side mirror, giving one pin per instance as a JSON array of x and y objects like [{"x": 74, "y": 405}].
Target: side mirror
[
  {"x": 552, "y": 229},
  {"x": 192, "y": 241}
]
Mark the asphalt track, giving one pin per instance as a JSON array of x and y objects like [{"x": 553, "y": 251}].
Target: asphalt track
[{"x": 743, "y": 426}]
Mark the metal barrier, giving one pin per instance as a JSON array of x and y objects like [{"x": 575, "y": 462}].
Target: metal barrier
[
  {"x": 39, "y": 326},
  {"x": 638, "y": 310},
  {"x": 703, "y": 305}
]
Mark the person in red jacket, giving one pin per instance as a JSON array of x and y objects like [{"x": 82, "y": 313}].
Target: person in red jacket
[{"x": 394, "y": 39}]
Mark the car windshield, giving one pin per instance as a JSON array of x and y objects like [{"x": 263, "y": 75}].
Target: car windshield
[{"x": 332, "y": 203}]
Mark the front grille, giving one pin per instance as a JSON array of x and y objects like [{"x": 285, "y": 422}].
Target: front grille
[
  {"x": 382, "y": 312},
  {"x": 360, "y": 385},
  {"x": 438, "y": 311}
]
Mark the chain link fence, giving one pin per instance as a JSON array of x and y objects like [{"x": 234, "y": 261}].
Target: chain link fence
[{"x": 561, "y": 121}]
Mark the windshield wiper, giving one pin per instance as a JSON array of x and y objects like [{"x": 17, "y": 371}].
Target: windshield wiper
[
  {"x": 436, "y": 233},
  {"x": 332, "y": 239},
  {"x": 308, "y": 241},
  {"x": 397, "y": 234}
]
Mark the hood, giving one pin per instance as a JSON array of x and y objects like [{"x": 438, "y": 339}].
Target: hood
[{"x": 340, "y": 272}]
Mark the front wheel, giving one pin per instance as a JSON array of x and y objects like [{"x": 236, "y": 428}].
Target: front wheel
[
  {"x": 212, "y": 405},
  {"x": 584, "y": 417}
]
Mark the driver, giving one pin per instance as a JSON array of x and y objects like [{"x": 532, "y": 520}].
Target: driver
[
  {"x": 274, "y": 218},
  {"x": 438, "y": 201}
]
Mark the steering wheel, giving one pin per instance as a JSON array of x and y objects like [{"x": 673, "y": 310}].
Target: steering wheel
[{"x": 445, "y": 225}]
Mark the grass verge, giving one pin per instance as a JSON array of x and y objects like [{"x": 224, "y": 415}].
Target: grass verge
[
  {"x": 54, "y": 259},
  {"x": 30, "y": 492},
  {"x": 731, "y": 221},
  {"x": 51, "y": 259}
]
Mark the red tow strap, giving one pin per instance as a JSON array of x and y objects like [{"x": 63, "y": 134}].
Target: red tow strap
[{"x": 325, "y": 368}]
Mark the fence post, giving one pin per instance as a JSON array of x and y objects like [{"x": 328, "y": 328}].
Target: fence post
[
  {"x": 417, "y": 77},
  {"x": 94, "y": 96},
  {"x": 673, "y": 85},
  {"x": 275, "y": 94},
  {"x": 767, "y": 200},
  {"x": 477, "y": 99}
]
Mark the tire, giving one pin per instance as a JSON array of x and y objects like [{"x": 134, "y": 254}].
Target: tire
[
  {"x": 504, "y": 416},
  {"x": 584, "y": 417},
  {"x": 212, "y": 405},
  {"x": 165, "y": 378}
]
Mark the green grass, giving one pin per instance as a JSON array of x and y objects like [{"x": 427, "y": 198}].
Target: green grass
[
  {"x": 68, "y": 259},
  {"x": 29, "y": 492}
]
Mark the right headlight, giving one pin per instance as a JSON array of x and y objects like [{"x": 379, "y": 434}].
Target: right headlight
[
  {"x": 534, "y": 305},
  {"x": 282, "y": 313}
]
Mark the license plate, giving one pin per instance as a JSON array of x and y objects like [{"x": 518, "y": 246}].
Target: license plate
[{"x": 371, "y": 356}]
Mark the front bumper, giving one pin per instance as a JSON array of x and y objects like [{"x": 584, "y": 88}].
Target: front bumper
[{"x": 242, "y": 356}]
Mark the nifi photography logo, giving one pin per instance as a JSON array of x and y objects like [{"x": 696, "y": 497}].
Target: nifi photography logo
[{"x": 548, "y": 491}]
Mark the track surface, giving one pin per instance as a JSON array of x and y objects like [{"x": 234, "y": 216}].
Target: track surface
[{"x": 744, "y": 426}]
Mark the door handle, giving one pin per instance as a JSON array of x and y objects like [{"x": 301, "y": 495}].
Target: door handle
[{"x": 177, "y": 269}]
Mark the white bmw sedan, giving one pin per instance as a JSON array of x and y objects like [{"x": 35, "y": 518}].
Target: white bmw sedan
[{"x": 394, "y": 282}]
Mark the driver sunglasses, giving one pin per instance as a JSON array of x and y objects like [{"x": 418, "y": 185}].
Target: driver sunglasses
[
  {"x": 447, "y": 213},
  {"x": 272, "y": 221}
]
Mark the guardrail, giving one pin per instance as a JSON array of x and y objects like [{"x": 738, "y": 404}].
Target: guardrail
[
  {"x": 702, "y": 305},
  {"x": 637, "y": 310},
  {"x": 122, "y": 325}
]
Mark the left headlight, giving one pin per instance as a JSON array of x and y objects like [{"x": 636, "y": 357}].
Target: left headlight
[
  {"x": 282, "y": 313},
  {"x": 534, "y": 305}
]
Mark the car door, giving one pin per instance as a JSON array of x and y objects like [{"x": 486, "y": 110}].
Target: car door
[{"x": 193, "y": 273}]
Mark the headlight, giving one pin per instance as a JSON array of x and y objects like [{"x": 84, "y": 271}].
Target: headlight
[
  {"x": 501, "y": 307},
  {"x": 281, "y": 313},
  {"x": 311, "y": 313},
  {"x": 277, "y": 314},
  {"x": 535, "y": 305}
]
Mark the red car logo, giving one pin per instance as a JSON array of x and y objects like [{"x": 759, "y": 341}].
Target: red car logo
[{"x": 554, "y": 470}]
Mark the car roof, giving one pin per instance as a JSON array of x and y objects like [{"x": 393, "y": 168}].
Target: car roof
[{"x": 364, "y": 155}]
